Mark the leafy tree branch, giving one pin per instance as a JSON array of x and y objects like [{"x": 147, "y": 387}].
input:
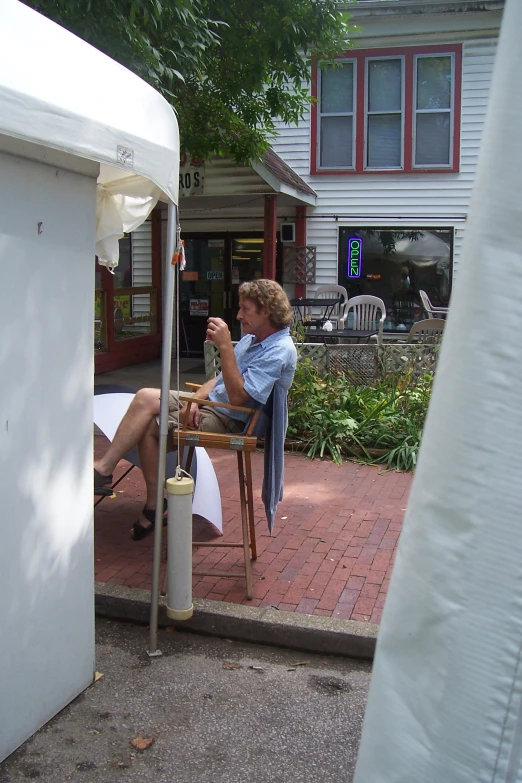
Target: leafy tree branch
[{"x": 230, "y": 68}]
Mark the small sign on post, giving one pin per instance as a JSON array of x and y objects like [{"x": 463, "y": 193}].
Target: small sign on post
[{"x": 191, "y": 176}]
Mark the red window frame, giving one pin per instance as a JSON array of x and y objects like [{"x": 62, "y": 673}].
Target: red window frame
[{"x": 409, "y": 54}]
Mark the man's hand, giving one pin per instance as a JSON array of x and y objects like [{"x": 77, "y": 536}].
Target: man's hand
[
  {"x": 218, "y": 332},
  {"x": 194, "y": 415}
]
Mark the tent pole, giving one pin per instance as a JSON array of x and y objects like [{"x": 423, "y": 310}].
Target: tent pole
[{"x": 166, "y": 359}]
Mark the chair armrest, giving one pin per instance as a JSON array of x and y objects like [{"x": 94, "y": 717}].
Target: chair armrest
[{"x": 191, "y": 385}]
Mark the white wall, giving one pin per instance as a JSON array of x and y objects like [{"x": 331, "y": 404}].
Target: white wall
[{"x": 46, "y": 370}]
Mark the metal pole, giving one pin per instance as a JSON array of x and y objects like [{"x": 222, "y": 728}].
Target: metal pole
[{"x": 168, "y": 318}]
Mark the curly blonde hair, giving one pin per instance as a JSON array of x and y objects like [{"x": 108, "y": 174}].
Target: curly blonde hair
[{"x": 268, "y": 294}]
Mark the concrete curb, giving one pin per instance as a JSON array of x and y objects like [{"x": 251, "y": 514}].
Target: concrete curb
[{"x": 324, "y": 635}]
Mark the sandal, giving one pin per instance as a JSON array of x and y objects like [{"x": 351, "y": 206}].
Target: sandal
[
  {"x": 138, "y": 531},
  {"x": 102, "y": 484}
]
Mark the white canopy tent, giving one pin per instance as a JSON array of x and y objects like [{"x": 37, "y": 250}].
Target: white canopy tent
[
  {"x": 59, "y": 92},
  {"x": 84, "y": 145}
]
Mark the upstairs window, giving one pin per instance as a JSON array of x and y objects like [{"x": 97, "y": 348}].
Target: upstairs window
[
  {"x": 337, "y": 116},
  {"x": 395, "y": 110}
]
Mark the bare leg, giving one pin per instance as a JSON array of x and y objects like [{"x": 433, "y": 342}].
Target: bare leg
[
  {"x": 136, "y": 422},
  {"x": 148, "y": 450}
]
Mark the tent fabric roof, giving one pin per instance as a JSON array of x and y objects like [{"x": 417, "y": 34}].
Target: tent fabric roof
[{"x": 57, "y": 91}]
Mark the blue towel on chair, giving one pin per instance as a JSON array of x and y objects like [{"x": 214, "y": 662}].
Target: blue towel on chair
[{"x": 273, "y": 478}]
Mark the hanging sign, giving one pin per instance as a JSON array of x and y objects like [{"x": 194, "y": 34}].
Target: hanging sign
[
  {"x": 354, "y": 260},
  {"x": 215, "y": 275},
  {"x": 199, "y": 307},
  {"x": 216, "y": 243},
  {"x": 191, "y": 176}
]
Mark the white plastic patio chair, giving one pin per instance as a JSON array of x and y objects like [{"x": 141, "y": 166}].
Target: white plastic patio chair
[
  {"x": 338, "y": 315},
  {"x": 427, "y": 331},
  {"x": 431, "y": 310},
  {"x": 366, "y": 310}
]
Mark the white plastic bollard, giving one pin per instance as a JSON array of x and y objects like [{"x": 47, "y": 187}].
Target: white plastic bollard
[{"x": 179, "y": 565}]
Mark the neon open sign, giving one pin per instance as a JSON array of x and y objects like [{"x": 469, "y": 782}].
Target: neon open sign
[{"x": 354, "y": 266}]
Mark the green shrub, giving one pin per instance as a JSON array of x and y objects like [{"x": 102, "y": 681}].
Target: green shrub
[{"x": 331, "y": 417}]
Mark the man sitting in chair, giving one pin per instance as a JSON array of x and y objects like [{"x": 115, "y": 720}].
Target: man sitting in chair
[{"x": 264, "y": 357}]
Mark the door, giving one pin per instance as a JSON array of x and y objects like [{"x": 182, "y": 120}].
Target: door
[
  {"x": 203, "y": 289},
  {"x": 216, "y": 267}
]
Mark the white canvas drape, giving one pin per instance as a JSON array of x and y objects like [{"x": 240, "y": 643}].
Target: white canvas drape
[{"x": 445, "y": 702}]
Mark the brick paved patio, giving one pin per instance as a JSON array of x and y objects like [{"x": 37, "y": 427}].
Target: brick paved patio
[{"x": 331, "y": 553}]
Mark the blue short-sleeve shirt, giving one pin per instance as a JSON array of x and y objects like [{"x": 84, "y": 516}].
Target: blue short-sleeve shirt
[{"x": 261, "y": 365}]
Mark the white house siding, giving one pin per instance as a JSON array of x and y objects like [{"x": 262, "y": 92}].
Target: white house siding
[
  {"x": 398, "y": 199},
  {"x": 141, "y": 242}
]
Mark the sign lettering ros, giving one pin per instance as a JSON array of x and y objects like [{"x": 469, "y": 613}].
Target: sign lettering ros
[
  {"x": 354, "y": 265},
  {"x": 191, "y": 176}
]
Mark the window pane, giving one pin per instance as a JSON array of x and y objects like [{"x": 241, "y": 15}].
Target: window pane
[
  {"x": 434, "y": 83},
  {"x": 432, "y": 143},
  {"x": 384, "y": 85},
  {"x": 337, "y": 89},
  {"x": 384, "y": 141},
  {"x": 397, "y": 262},
  {"x": 336, "y": 141}
]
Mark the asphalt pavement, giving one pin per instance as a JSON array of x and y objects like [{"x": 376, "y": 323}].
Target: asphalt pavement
[{"x": 207, "y": 711}]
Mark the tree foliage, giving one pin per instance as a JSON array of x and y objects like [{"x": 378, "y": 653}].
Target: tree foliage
[{"x": 229, "y": 67}]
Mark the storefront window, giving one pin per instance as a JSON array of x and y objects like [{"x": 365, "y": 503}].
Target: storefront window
[
  {"x": 133, "y": 313},
  {"x": 394, "y": 264},
  {"x": 100, "y": 331}
]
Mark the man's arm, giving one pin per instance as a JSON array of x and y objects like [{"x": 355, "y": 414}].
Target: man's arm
[
  {"x": 218, "y": 332},
  {"x": 204, "y": 390},
  {"x": 201, "y": 394}
]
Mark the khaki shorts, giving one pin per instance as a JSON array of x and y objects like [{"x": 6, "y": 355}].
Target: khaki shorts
[{"x": 211, "y": 420}]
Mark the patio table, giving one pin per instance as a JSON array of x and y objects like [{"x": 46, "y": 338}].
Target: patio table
[
  {"x": 321, "y": 335},
  {"x": 327, "y": 305}
]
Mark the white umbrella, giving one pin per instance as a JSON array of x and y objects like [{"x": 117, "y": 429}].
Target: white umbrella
[{"x": 426, "y": 250}]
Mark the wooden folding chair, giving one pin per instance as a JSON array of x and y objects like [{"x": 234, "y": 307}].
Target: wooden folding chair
[{"x": 243, "y": 444}]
